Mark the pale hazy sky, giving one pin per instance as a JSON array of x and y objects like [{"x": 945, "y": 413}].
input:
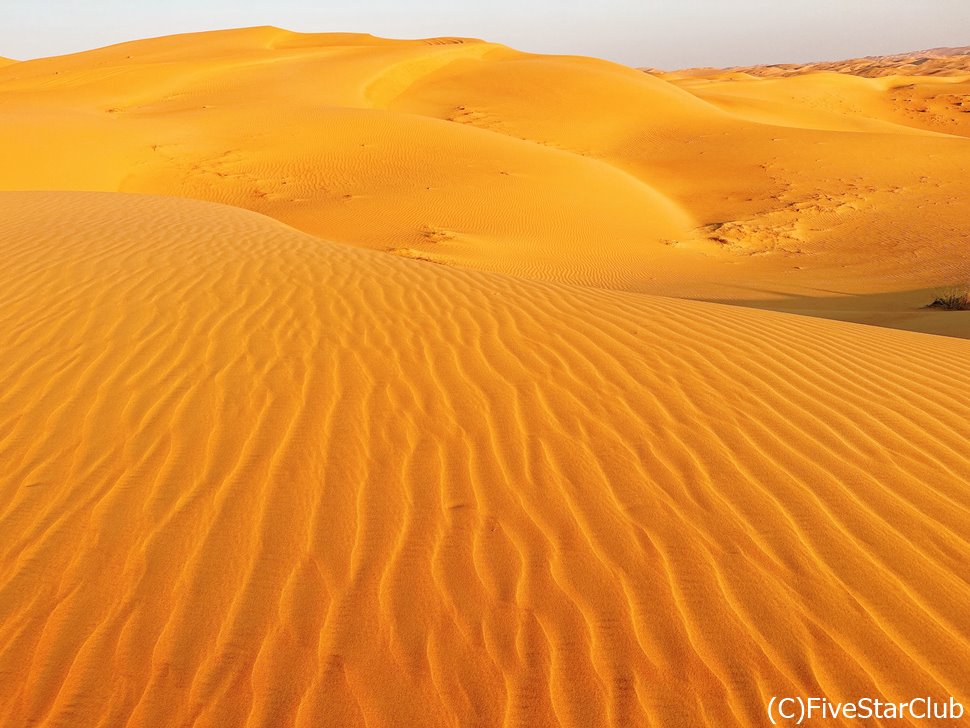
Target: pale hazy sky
[{"x": 661, "y": 33}]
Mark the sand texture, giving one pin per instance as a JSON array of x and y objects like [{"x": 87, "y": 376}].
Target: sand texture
[{"x": 355, "y": 382}]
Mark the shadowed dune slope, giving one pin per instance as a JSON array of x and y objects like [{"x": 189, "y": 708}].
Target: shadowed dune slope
[{"x": 253, "y": 478}]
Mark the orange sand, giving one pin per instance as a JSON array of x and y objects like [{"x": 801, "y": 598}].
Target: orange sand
[{"x": 270, "y": 467}]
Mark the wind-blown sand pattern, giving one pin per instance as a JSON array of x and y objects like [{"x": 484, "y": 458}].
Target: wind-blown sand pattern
[{"x": 270, "y": 467}]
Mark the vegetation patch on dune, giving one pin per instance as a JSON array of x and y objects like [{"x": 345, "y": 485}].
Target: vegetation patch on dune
[{"x": 956, "y": 298}]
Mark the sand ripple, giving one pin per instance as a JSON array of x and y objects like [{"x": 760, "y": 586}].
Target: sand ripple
[{"x": 252, "y": 478}]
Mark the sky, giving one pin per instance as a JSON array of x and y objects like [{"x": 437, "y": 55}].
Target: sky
[{"x": 665, "y": 34}]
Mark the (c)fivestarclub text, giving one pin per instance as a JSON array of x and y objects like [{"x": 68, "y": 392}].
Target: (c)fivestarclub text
[{"x": 800, "y": 710}]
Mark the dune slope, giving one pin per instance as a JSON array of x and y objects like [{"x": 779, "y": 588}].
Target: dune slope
[
  {"x": 467, "y": 153},
  {"x": 298, "y": 127},
  {"x": 253, "y": 478}
]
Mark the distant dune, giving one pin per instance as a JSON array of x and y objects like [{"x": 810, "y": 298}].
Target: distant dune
[
  {"x": 563, "y": 169},
  {"x": 932, "y": 62},
  {"x": 354, "y": 382}
]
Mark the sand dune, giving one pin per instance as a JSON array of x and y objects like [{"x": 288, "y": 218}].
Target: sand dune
[
  {"x": 254, "y": 478},
  {"x": 563, "y": 169},
  {"x": 352, "y": 381},
  {"x": 932, "y": 62},
  {"x": 841, "y": 102}
]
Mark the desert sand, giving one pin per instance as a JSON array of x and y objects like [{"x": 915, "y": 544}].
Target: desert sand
[
  {"x": 931, "y": 62},
  {"x": 358, "y": 382}
]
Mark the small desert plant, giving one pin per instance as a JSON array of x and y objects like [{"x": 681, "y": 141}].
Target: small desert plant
[{"x": 954, "y": 298}]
